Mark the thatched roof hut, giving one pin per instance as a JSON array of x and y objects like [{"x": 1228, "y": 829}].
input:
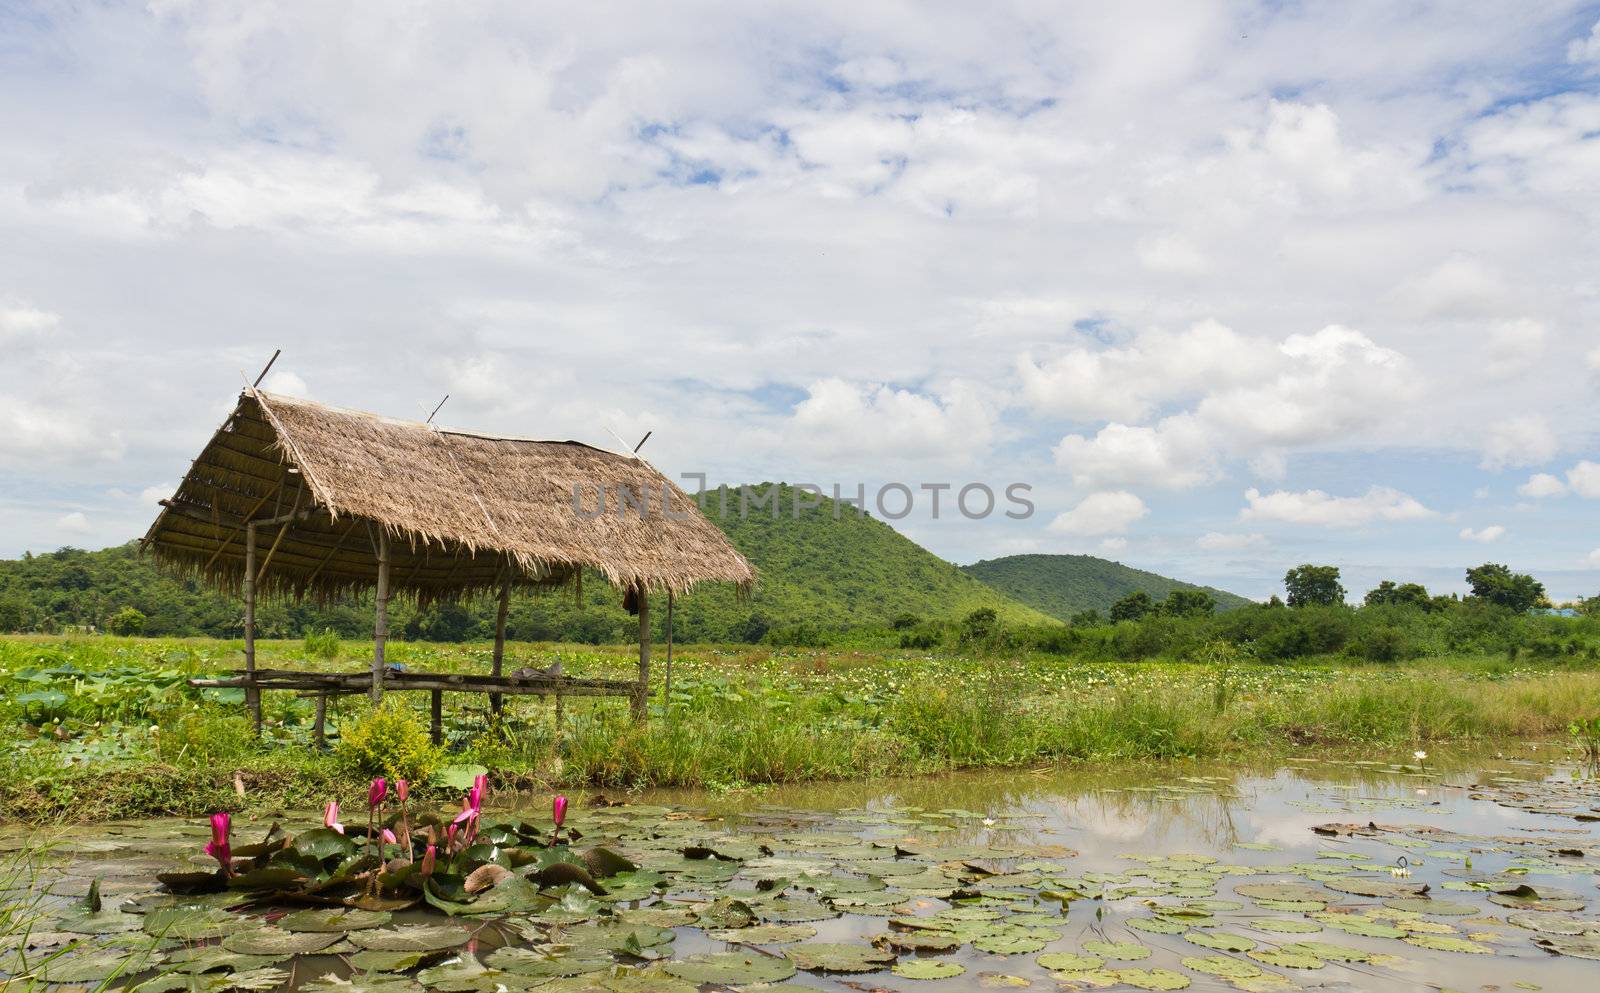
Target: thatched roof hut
[
  {"x": 464, "y": 512},
  {"x": 291, "y": 496}
]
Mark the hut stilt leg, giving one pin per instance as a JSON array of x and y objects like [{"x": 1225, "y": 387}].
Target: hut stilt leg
[
  {"x": 436, "y": 704},
  {"x": 496, "y": 701},
  {"x": 641, "y": 699},
  {"x": 252, "y": 694},
  {"x": 319, "y": 727},
  {"x": 558, "y": 716},
  {"x": 666, "y": 691},
  {"x": 380, "y": 627}
]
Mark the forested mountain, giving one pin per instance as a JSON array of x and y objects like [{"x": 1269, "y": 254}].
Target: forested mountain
[
  {"x": 1064, "y": 585},
  {"x": 818, "y": 573}
]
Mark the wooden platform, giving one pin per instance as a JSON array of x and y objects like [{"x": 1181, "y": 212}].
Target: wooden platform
[{"x": 323, "y": 685}]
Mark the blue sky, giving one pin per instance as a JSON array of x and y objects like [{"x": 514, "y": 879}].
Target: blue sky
[{"x": 1230, "y": 286}]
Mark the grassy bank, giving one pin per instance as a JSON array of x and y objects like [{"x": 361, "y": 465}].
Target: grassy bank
[{"x": 103, "y": 727}]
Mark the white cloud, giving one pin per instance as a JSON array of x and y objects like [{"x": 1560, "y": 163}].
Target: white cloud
[
  {"x": 1113, "y": 544},
  {"x": 1484, "y": 536},
  {"x": 1542, "y": 484},
  {"x": 1174, "y": 454},
  {"x": 73, "y": 523},
  {"x": 287, "y": 383},
  {"x": 1172, "y": 253},
  {"x": 1585, "y": 49},
  {"x": 152, "y": 496},
  {"x": 1584, "y": 479},
  {"x": 843, "y": 419},
  {"x": 1593, "y": 559},
  {"x": 1514, "y": 347},
  {"x": 1101, "y": 513},
  {"x": 34, "y": 433},
  {"x": 1379, "y": 503},
  {"x": 1525, "y": 439},
  {"x": 1219, "y": 541},
  {"x": 21, "y": 322},
  {"x": 1593, "y": 358}
]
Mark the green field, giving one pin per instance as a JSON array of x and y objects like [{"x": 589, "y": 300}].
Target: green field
[{"x": 105, "y": 727}]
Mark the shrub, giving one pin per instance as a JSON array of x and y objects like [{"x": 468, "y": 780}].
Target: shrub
[
  {"x": 322, "y": 644},
  {"x": 980, "y": 628},
  {"x": 390, "y": 741},
  {"x": 127, "y": 621},
  {"x": 1384, "y": 643},
  {"x": 924, "y": 637},
  {"x": 204, "y": 738}
]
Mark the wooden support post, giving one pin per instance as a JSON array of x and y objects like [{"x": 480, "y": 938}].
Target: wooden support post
[
  {"x": 319, "y": 727},
  {"x": 641, "y": 698},
  {"x": 558, "y": 716},
  {"x": 380, "y": 629},
  {"x": 252, "y": 694},
  {"x": 436, "y": 725},
  {"x": 496, "y": 701},
  {"x": 666, "y": 691}
]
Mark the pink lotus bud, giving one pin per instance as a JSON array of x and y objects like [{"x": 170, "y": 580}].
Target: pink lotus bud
[
  {"x": 330, "y": 817},
  {"x": 389, "y": 838},
  {"x": 218, "y": 847},
  {"x": 377, "y": 792},
  {"x": 428, "y": 858},
  {"x": 402, "y": 789},
  {"x": 558, "y": 810}
]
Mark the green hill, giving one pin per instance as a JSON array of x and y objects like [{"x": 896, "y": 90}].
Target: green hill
[
  {"x": 817, "y": 574},
  {"x": 1063, "y": 585}
]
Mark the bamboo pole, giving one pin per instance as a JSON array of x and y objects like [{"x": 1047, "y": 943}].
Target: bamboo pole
[
  {"x": 380, "y": 628},
  {"x": 252, "y": 693},
  {"x": 496, "y": 701},
  {"x": 666, "y": 691},
  {"x": 639, "y": 700},
  {"x": 282, "y": 530}
]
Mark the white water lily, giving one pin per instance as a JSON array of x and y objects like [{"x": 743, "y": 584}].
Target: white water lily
[
  {"x": 1419, "y": 755},
  {"x": 988, "y": 822}
]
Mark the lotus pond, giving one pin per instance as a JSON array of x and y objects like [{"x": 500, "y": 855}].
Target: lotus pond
[{"x": 1468, "y": 872}]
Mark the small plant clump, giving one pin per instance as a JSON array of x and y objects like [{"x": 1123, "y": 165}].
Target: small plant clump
[{"x": 391, "y": 741}]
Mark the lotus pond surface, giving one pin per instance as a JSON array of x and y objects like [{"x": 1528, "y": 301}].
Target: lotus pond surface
[{"x": 1465, "y": 873}]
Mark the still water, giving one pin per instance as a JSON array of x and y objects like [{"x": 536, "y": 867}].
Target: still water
[{"x": 1465, "y": 872}]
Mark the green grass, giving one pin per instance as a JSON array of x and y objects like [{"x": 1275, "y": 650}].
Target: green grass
[{"x": 98, "y": 728}]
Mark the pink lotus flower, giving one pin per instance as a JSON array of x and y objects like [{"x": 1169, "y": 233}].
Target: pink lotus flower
[
  {"x": 218, "y": 847},
  {"x": 450, "y": 837},
  {"x": 330, "y": 817},
  {"x": 402, "y": 789},
  {"x": 389, "y": 838},
  {"x": 376, "y": 793},
  {"x": 428, "y": 858},
  {"x": 558, "y": 810}
]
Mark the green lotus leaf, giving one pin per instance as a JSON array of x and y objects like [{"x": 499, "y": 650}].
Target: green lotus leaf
[
  {"x": 411, "y": 938},
  {"x": 1156, "y": 925},
  {"x": 1445, "y": 943},
  {"x": 1222, "y": 965},
  {"x": 362, "y": 983},
  {"x": 191, "y": 925},
  {"x": 548, "y": 963},
  {"x": 1423, "y": 905},
  {"x": 1325, "y": 951},
  {"x": 1152, "y": 979},
  {"x": 1287, "y": 960},
  {"x": 339, "y": 919},
  {"x": 1222, "y": 941},
  {"x": 918, "y": 941},
  {"x": 1359, "y": 924},
  {"x": 839, "y": 957},
  {"x": 928, "y": 969},
  {"x": 1126, "y": 951},
  {"x": 765, "y": 934},
  {"x": 731, "y": 968},
  {"x": 277, "y": 941},
  {"x": 1584, "y": 946}
]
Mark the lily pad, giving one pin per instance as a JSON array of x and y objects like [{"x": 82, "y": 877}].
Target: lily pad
[
  {"x": 1326, "y": 952},
  {"x": 277, "y": 941},
  {"x": 1584, "y": 946},
  {"x": 338, "y": 919},
  {"x": 1220, "y": 940},
  {"x": 1069, "y": 962},
  {"x": 928, "y": 969},
  {"x": 1445, "y": 943},
  {"x": 839, "y": 957},
  {"x": 410, "y": 938},
  {"x": 1152, "y": 979},
  {"x": 1222, "y": 965},
  {"x": 1127, "y": 951},
  {"x": 732, "y": 968}
]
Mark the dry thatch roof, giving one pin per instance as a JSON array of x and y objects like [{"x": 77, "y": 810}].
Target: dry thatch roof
[{"x": 465, "y": 512}]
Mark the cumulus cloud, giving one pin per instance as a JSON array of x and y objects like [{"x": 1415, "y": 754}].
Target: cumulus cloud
[
  {"x": 1525, "y": 439},
  {"x": 22, "y": 322},
  {"x": 73, "y": 523},
  {"x": 34, "y": 433},
  {"x": 1258, "y": 398},
  {"x": 844, "y": 418},
  {"x": 1542, "y": 484},
  {"x": 1484, "y": 536},
  {"x": 287, "y": 383},
  {"x": 1113, "y": 544},
  {"x": 1584, "y": 479},
  {"x": 153, "y": 495},
  {"x": 1220, "y": 541},
  {"x": 1317, "y": 507},
  {"x": 1111, "y": 512},
  {"x": 1585, "y": 49},
  {"x": 1514, "y": 347}
]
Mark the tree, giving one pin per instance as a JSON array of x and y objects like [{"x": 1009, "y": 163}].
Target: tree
[
  {"x": 1133, "y": 606},
  {"x": 1309, "y": 585},
  {"x": 127, "y": 621},
  {"x": 16, "y": 613},
  {"x": 1497, "y": 584},
  {"x": 1086, "y": 618},
  {"x": 1401, "y": 595},
  {"x": 980, "y": 626},
  {"x": 1189, "y": 603}
]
